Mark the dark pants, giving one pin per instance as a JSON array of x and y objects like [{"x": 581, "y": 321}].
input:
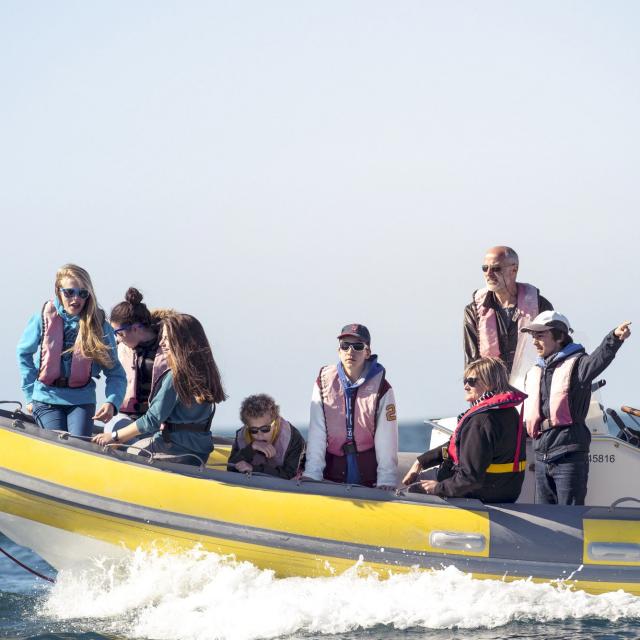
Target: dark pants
[
  {"x": 76, "y": 419},
  {"x": 564, "y": 480},
  {"x": 168, "y": 451}
]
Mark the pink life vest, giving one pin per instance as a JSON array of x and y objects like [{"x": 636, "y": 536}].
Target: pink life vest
[
  {"x": 527, "y": 304},
  {"x": 559, "y": 412},
  {"x": 281, "y": 444},
  {"x": 128, "y": 362},
  {"x": 498, "y": 401},
  {"x": 51, "y": 347},
  {"x": 335, "y": 414}
]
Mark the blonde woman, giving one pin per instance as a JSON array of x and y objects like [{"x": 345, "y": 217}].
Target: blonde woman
[
  {"x": 64, "y": 347},
  {"x": 486, "y": 456}
]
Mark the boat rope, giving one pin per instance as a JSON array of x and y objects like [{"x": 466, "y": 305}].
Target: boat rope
[
  {"x": 24, "y": 566},
  {"x": 152, "y": 456}
]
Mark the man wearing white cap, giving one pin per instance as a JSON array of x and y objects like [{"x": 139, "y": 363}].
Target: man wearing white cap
[
  {"x": 558, "y": 387},
  {"x": 497, "y": 311}
]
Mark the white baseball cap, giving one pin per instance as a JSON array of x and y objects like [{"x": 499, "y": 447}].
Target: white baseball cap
[{"x": 549, "y": 320}]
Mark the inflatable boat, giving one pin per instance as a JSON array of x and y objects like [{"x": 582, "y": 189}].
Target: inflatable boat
[{"x": 70, "y": 501}]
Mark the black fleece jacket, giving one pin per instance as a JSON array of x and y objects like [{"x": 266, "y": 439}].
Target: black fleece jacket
[
  {"x": 555, "y": 443},
  {"x": 292, "y": 457},
  {"x": 507, "y": 330},
  {"x": 490, "y": 437}
]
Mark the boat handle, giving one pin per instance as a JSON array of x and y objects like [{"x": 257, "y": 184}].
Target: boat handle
[
  {"x": 457, "y": 541},
  {"x": 614, "y": 551},
  {"x": 621, "y": 500}
]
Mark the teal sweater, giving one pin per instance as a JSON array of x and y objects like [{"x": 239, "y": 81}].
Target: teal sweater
[
  {"x": 28, "y": 352},
  {"x": 165, "y": 406}
]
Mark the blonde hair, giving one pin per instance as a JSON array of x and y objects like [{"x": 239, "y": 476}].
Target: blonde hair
[
  {"x": 91, "y": 331},
  {"x": 491, "y": 372}
]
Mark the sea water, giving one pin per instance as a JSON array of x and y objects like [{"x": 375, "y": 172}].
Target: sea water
[{"x": 204, "y": 596}]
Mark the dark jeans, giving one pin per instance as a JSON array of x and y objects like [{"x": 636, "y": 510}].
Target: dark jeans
[
  {"x": 564, "y": 480},
  {"x": 76, "y": 419}
]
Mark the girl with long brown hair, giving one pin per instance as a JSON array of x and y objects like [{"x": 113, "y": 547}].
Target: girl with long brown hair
[
  {"x": 183, "y": 399},
  {"x": 64, "y": 347}
]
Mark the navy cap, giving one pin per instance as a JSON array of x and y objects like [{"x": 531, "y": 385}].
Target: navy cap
[{"x": 355, "y": 331}]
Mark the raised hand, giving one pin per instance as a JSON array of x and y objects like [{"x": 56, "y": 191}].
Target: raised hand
[{"x": 622, "y": 331}]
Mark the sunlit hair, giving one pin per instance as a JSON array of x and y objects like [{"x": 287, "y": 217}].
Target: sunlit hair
[
  {"x": 195, "y": 373},
  {"x": 257, "y": 405},
  {"x": 491, "y": 372},
  {"x": 90, "y": 331},
  {"x": 506, "y": 253},
  {"x": 132, "y": 310},
  {"x": 511, "y": 255}
]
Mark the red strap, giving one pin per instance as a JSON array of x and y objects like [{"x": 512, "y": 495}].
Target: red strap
[{"x": 516, "y": 457}]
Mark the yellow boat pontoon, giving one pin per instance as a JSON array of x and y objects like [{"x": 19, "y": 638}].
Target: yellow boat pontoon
[{"x": 70, "y": 500}]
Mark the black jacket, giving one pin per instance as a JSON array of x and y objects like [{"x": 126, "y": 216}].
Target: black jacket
[
  {"x": 486, "y": 438},
  {"x": 555, "y": 443},
  {"x": 507, "y": 330},
  {"x": 292, "y": 457}
]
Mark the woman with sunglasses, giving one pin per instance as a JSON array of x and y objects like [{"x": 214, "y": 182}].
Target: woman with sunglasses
[
  {"x": 177, "y": 423},
  {"x": 62, "y": 350},
  {"x": 138, "y": 333},
  {"x": 267, "y": 443},
  {"x": 486, "y": 455},
  {"x": 353, "y": 430}
]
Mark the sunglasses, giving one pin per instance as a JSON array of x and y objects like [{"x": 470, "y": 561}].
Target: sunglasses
[
  {"x": 265, "y": 428},
  {"x": 470, "y": 381},
  {"x": 494, "y": 269},
  {"x": 74, "y": 293},
  {"x": 125, "y": 327},
  {"x": 356, "y": 346}
]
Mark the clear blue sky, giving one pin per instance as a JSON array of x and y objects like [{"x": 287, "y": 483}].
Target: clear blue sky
[{"x": 279, "y": 169}]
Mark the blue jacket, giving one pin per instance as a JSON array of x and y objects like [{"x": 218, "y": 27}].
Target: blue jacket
[
  {"x": 165, "y": 406},
  {"x": 373, "y": 367},
  {"x": 29, "y": 363}
]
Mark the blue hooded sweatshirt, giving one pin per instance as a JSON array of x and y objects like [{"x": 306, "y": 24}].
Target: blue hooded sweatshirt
[
  {"x": 350, "y": 389},
  {"x": 565, "y": 352}
]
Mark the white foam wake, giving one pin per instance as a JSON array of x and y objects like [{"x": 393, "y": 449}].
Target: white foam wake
[{"x": 199, "y": 595}]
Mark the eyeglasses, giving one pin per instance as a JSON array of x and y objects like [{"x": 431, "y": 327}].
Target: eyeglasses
[
  {"x": 74, "y": 293},
  {"x": 470, "y": 381},
  {"x": 356, "y": 346},
  {"x": 494, "y": 268},
  {"x": 265, "y": 428},
  {"x": 125, "y": 327}
]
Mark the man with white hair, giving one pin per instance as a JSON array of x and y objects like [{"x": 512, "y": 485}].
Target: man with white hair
[
  {"x": 558, "y": 387},
  {"x": 497, "y": 311}
]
